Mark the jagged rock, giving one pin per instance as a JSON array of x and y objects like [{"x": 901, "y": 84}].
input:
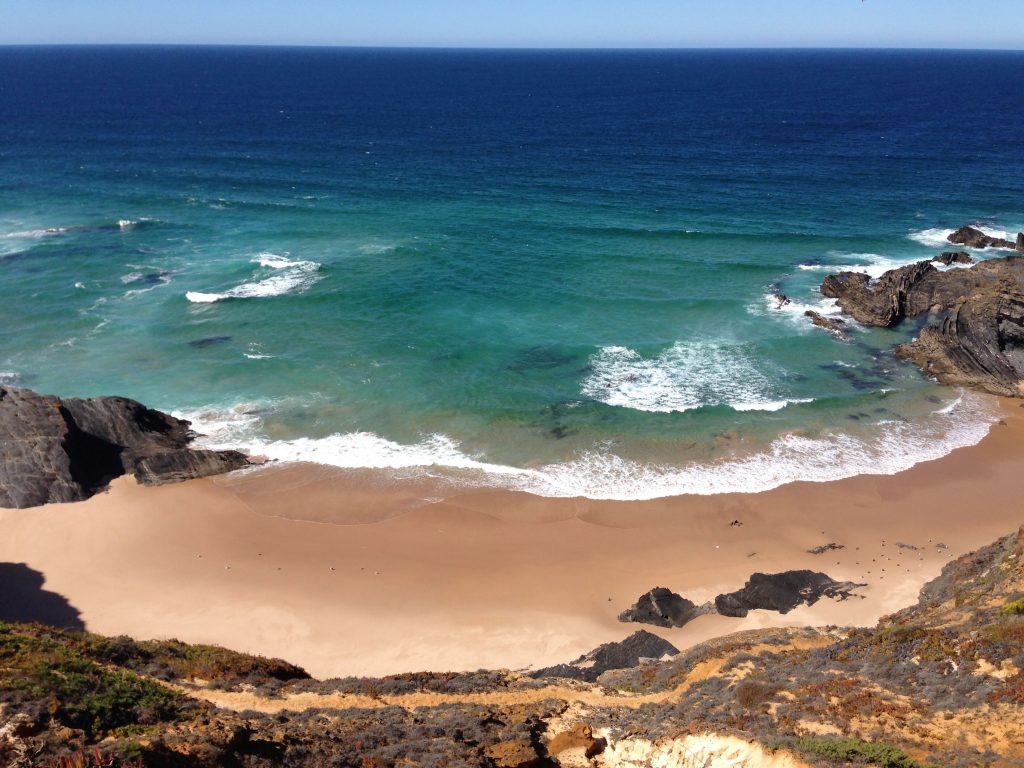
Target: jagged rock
[
  {"x": 621, "y": 655},
  {"x": 781, "y": 299},
  {"x": 953, "y": 257},
  {"x": 580, "y": 735},
  {"x": 975, "y": 238},
  {"x": 876, "y": 302},
  {"x": 1019, "y": 245},
  {"x": 54, "y": 450},
  {"x": 976, "y": 335},
  {"x": 833, "y": 324},
  {"x": 663, "y": 608},
  {"x": 782, "y": 592}
]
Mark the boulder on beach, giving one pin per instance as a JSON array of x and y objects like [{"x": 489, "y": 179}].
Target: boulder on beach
[
  {"x": 782, "y": 592},
  {"x": 54, "y": 450},
  {"x": 662, "y": 607}
]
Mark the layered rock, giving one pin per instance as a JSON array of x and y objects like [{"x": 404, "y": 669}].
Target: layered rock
[
  {"x": 975, "y": 335},
  {"x": 54, "y": 450},
  {"x": 975, "y": 238}
]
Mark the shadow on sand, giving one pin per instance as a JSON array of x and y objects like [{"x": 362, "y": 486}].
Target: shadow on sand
[{"x": 22, "y": 598}]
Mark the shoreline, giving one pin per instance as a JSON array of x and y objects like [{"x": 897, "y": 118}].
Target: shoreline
[{"x": 348, "y": 573}]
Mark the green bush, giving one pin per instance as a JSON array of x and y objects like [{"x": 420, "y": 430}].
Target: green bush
[
  {"x": 857, "y": 751},
  {"x": 1014, "y": 608}
]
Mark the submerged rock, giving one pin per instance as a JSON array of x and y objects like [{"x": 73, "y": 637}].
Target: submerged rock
[
  {"x": 662, "y": 607},
  {"x": 833, "y": 324},
  {"x": 54, "y": 450},
  {"x": 975, "y": 336},
  {"x": 783, "y": 592},
  {"x": 621, "y": 655}
]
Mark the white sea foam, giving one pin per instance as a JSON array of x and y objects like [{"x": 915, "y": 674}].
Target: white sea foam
[
  {"x": 871, "y": 264},
  {"x": 126, "y": 223},
  {"x": 33, "y": 234},
  {"x": 937, "y": 237},
  {"x": 884, "y": 449},
  {"x": 286, "y": 276},
  {"x": 685, "y": 376},
  {"x": 9, "y": 378}
]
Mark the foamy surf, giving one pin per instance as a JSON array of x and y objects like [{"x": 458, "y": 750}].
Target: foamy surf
[
  {"x": 286, "y": 276},
  {"x": 885, "y": 448},
  {"x": 686, "y": 376}
]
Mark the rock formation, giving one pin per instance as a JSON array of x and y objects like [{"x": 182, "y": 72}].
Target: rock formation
[
  {"x": 783, "y": 592},
  {"x": 975, "y": 238},
  {"x": 833, "y": 324},
  {"x": 54, "y": 450},
  {"x": 975, "y": 333},
  {"x": 621, "y": 655},
  {"x": 662, "y": 607},
  {"x": 953, "y": 257}
]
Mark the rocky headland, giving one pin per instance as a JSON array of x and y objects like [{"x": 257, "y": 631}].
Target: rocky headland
[
  {"x": 972, "y": 331},
  {"x": 54, "y": 450},
  {"x": 939, "y": 683}
]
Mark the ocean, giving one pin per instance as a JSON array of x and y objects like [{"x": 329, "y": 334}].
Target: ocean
[{"x": 550, "y": 271}]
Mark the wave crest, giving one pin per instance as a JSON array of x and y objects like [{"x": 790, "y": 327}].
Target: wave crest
[
  {"x": 286, "y": 276},
  {"x": 884, "y": 449}
]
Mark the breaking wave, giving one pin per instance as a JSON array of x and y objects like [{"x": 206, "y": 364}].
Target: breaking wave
[
  {"x": 279, "y": 275},
  {"x": 884, "y": 448},
  {"x": 684, "y": 377}
]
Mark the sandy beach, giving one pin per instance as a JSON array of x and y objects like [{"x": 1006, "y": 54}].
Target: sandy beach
[{"x": 355, "y": 574}]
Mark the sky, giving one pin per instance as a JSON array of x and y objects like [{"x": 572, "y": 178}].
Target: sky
[{"x": 521, "y": 23}]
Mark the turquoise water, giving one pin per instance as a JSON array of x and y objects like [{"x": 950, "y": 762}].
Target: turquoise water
[{"x": 549, "y": 271}]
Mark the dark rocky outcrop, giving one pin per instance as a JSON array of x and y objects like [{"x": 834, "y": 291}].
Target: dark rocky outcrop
[
  {"x": 953, "y": 257},
  {"x": 975, "y": 334},
  {"x": 621, "y": 655},
  {"x": 54, "y": 450},
  {"x": 975, "y": 238},
  {"x": 783, "y": 592},
  {"x": 877, "y": 302},
  {"x": 833, "y": 324},
  {"x": 662, "y": 607}
]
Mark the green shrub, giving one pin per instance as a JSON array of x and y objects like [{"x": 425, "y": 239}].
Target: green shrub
[
  {"x": 1014, "y": 608},
  {"x": 857, "y": 751}
]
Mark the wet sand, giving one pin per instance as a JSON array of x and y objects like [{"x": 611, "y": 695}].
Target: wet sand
[{"x": 353, "y": 573}]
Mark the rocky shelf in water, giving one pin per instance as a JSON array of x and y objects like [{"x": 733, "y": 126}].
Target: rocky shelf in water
[
  {"x": 54, "y": 450},
  {"x": 973, "y": 332}
]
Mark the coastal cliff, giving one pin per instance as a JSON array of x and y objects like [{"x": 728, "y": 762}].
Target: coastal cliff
[
  {"x": 54, "y": 450},
  {"x": 939, "y": 683},
  {"x": 973, "y": 318}
]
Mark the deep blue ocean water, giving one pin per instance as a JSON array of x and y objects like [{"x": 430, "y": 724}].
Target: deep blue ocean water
[{"x": 547, "y": 270}]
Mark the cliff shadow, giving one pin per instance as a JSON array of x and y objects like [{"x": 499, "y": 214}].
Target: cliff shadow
[{"x": 22, "y": 598}]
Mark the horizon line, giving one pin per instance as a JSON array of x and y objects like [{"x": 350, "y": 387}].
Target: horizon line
[{"x": 323, "y": 46}]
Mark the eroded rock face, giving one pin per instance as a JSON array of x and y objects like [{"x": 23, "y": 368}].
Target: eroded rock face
[
  {"x": 621, "y": 655},
  {"x": 54, "y": 450},
  {"x": 783, "y": 592},
  {"x": 662, "y": 607},
  {"x": 832, "y": 324},
  {"x": 953, "y": 257},
  {"x": 975, "y": 238},
  {"x": 975, "y": 335}
]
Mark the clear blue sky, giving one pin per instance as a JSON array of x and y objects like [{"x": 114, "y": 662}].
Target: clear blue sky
[{"x": 516, "y": 23}]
